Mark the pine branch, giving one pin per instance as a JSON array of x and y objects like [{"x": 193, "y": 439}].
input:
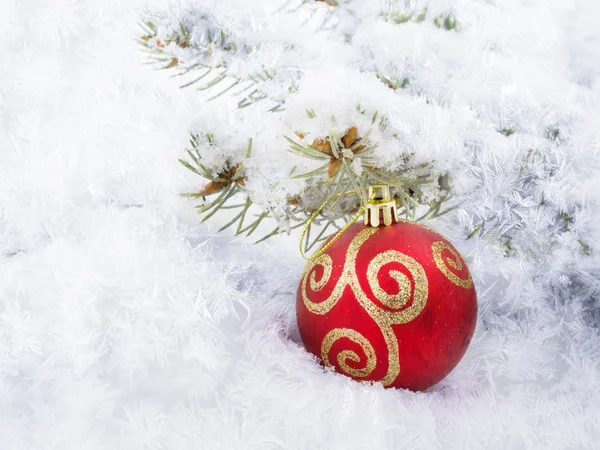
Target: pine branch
[{"x": 348, "y": 166}]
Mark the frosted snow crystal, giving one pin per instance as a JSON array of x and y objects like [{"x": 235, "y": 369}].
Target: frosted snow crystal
[{"x": 126, "y": 323}]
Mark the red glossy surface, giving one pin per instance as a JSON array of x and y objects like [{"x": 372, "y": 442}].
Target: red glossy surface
[{"x": 430, "y": 344}]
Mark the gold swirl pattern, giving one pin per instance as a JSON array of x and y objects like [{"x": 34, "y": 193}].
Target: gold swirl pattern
[
  {"x": 343, "y": 356},
  {"x": 384, "y": 318},
  {"x": 456, "y": 264}
]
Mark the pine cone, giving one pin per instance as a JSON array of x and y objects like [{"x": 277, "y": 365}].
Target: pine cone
[
  {"x": 322, "y": 145},
  {"x": 226, "y": 179},
  {"x": 334, "y": 166},
  {"x": 212, "y": 188},
  {"x": 329, "y": 2},
  {"x": 349, "y": 139}
]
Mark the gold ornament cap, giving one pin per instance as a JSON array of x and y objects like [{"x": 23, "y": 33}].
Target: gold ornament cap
[{"x": 380, "y": 203}]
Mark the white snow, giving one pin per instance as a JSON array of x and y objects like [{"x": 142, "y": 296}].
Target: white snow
[{"x": 127, "y": 324}]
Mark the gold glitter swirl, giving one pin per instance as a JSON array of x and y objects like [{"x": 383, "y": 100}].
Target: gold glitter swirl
[
  {"x": 345, "y": 355},
  {"x": 393, "y": 301},
  {"x": 417, "y": 289},
  {"x": 326, "y": 263},
  {"x": 456, "y": 264},
  {"x": 399, "y": 300},
  {"x": 323, "y": 307},
  {"x": 385, "y": 319}
]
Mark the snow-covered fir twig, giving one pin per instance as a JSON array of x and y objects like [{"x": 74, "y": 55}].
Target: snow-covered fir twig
[
  {"x": 342, "y": 94},
  {"x": 207, "y": 48}
]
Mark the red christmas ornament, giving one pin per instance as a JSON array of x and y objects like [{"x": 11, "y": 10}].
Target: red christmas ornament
[{"x": 394, "y": 304}]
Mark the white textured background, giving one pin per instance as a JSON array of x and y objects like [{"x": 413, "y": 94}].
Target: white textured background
[{"x": 125, "y": 324}]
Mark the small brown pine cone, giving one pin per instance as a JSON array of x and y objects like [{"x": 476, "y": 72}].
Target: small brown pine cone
[
  {"x": 229, "y": 174},
  {"x": 212, "y": 188},
  {"x": 329, "y": 2},
  {"x": 322, "y": 145},
  {"x": 350, "y": 137},
  {"x": 217, "y": 186},
  {"x": 334, "y": 166},
  {"x": 232, "y": 173}
]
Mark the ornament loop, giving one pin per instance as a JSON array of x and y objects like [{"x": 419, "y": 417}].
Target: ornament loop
[{"x": 380, "y": 203}]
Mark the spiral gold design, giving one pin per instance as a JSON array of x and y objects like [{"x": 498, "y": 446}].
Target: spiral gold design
[
  {"x": 390, "y": 314},
  {"x": 456, "y": 263},
  {"x": 345, "y": 355}
]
